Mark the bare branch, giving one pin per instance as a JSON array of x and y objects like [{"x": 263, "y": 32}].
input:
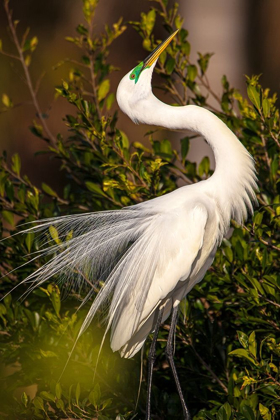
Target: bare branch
[
  {"x": 207, "y": 367},
  {"x": 51, "y": 138}
]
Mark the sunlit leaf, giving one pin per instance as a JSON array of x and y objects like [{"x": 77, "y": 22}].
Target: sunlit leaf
[{"x": 103, "y": 89}]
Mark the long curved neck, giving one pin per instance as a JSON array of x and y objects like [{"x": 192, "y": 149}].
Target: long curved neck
[{"x": 233, "y": 183}]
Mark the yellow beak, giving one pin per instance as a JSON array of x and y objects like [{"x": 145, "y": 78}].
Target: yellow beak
[{"x": 157, "y": 51}]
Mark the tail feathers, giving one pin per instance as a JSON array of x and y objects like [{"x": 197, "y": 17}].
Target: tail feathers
[{"x": 106, "y": 246}]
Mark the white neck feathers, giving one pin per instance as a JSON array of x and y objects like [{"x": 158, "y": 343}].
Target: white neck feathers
[{"x": 234, "y": 181}]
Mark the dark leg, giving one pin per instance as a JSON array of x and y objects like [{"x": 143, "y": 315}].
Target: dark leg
[
  {"x": 152, "y": 358},
  {"x": 169, "y": 351}
]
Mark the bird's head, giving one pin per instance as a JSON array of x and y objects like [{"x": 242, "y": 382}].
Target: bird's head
[{"x": 135, "y": 86}]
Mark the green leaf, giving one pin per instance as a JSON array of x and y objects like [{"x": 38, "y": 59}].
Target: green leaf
[
  {"x": 254, "y": 96},
  {"x": 266, "y": 107},
  {"x": 85, "y": 60},
  {"x": 16, "y": 163},
  {"x": 274, "y": 165},
  {"x": 165, "y": 147},
  {"x": 106, "y": 403},
  {"x": 185, "y": 145},
  {"x": 103, "y": 89},
  {"x": 8, "y": 300},
  {"x": 264, "y": 412},
  {"x": 36, "y": 129},
  {"x": 69, "y": 236},
  {"x": 6, "y": 101},
  {"x": 60, "y": 404},
  {"x": 78, "y": 393},
  {"x": 65, "y": 85},
  {"x": 147, "y": 44},
  {"x": 225, "y": 82},
  {"x": 89, "y": 7},
  {"x": 47, "y": 396},
  {"x": 203, "y": 62},
  {"x": 58, "y": 390},
  {"x": 247, "y": 380},
  {"x": 192, "y": 72},
  {"x": 24, "y": 399},
  {"x": 228, "y": 253},
  {"x": 54, "y": 234},
  {"x": 110, "y": 100},
  {"x": 33, "y": 43},
  {"x": 125, "y": 141},
  {"x": 9, "y": 217},
  {"x": 256, "y": 284},
  {"x": 224, "y": 412},
  {"x": 186, "y": 47},
  {"x": 243, "y": 339},
  {"x": 270, "y": 390},
  {"x": 30, "y": 44},
  {"x": 150, "y": 21},
  {"x": 3, "y": 310},
  {"x": 38, "y": 403},
  {"x": 95, "y": 188},
  {"x": 81, "y": 29},
  {"x": 29, "y": 239},
  {"x": 48, "y": 190},
  {"x": 48, "y": 353},
  {"x": 258, "y": 218},
  {"x": 170, "y": 65},
  {"x": 55, "y": 299},
  {"x": 27, "y": 60},
  {"x": 248, "y": 412},
  {"x": 204, "y": 166},
  {"x": 178, "y": 22},
  {"x": 243, "y": 354},
  {"x": 163, "y": 57},
  {"x": 253, "y": 344},
  {"x": 95, "y": 396}
]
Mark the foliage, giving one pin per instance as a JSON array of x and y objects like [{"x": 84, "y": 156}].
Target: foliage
[{"x": 228, "y": 341}]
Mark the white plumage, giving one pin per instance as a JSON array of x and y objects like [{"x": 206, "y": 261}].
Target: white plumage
[{"x": 154, "y": 253}]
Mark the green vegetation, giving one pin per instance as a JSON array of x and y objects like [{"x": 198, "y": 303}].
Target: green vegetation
[{"x": 228, "y": 341}]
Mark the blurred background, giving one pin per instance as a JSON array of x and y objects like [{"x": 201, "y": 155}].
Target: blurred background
[{"x": 243, "y": 35}]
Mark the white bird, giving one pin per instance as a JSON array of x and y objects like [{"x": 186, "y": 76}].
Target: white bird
[{"x": 152, "y": 254}]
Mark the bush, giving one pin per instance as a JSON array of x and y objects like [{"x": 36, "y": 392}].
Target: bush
[{"x": 228, "y": 342}]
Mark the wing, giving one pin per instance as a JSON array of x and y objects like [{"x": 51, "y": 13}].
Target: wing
[
  {"x": 171, "y": 245},
  {"x": 140, "y": 253}
]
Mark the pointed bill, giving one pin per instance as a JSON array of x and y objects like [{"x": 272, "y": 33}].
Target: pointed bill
[{"x": 149, "y": 61}]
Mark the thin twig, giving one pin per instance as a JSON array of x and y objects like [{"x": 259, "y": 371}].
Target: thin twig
[
  {"x": 262, "y": 240},
  {"x": 269, "y": 301},
  {"x": 163, "y": 7},
  {"x": 27, "y": 74},
  {"x": 28, "y": 184},
  {"x": 14, "y": 57},
  {"x": 92, "y": 75},
  {"x": 207, "y": 367},
  {"x": 38, "y": 84},
  {"x": 264, "y": 204},
  {"x": 265, "y": 151},
  {"x": 273, "y": 379},
  {"x": 268, "y": 244},
  {"x": 128, "y": 166},
  {"x": 101, "y": 378},
  {"x": 206, "y": 84},
  {"x": 273, "y": 136},
  {"x": 87, "y": 280},
  {"x": 180, "y": 174}
]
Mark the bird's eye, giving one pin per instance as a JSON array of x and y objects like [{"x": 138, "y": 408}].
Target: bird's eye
[{"x": 132, "y": 76}]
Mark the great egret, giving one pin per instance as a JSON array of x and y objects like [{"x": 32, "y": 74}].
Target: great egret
[{"x": 152, "y": 254}]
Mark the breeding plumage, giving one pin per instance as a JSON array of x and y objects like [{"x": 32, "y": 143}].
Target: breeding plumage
[{"x": 152, "y": 254}]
